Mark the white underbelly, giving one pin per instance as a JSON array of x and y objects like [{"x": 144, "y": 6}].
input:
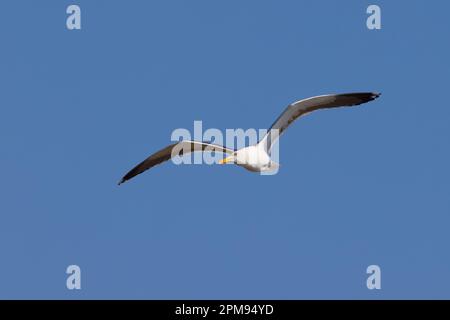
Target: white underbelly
[{"x": 253, "y": 168}]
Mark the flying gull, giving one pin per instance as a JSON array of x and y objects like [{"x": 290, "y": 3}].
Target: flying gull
[{"x": 256, "y": 158}]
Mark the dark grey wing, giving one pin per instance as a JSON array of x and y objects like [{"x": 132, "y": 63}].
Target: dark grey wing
[
  {"x": 180, "y": 148},
  {"x": 302, "y": 107}
]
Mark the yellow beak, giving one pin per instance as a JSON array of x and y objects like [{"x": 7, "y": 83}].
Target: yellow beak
[{"x": 226, "y": 160}]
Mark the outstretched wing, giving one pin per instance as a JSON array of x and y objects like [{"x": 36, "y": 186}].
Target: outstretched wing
[
  {"x": 302, "y": 107},
  {"x": 180, "y": 148}
]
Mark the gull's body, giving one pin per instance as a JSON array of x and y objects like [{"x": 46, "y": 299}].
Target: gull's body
[{"x": 256, "y": 158}]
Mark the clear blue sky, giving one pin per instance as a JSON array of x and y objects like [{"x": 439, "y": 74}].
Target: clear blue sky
[{"x": 356, "y": 187}]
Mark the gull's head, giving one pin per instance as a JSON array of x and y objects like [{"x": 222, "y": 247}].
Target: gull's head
[
  {"x": 240, "y": 157},
  {"x": 252, "y": 158}
]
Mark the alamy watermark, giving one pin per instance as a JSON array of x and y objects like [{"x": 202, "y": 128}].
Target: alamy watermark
[
  {"x": 73, "y": 21},
  {"x": 373, "y": 22},
  {"x": 374, "y": 280},
  {"x": 256, "y": 142},
  {"x": 73, "y": 281}
]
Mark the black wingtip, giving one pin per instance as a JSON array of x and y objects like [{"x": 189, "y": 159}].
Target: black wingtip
[
  {"x": 370, "y": 96},
  {"x": 121, "y": 181},
  {"x": 374, "y": 95}
]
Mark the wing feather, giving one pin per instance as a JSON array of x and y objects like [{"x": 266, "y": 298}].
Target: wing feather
[
  {"x": 180, "y": 148},
  {"x": 302, "y": 107}
]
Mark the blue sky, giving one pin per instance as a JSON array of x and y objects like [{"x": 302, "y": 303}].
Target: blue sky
[{"x": 357, "y": 186}]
